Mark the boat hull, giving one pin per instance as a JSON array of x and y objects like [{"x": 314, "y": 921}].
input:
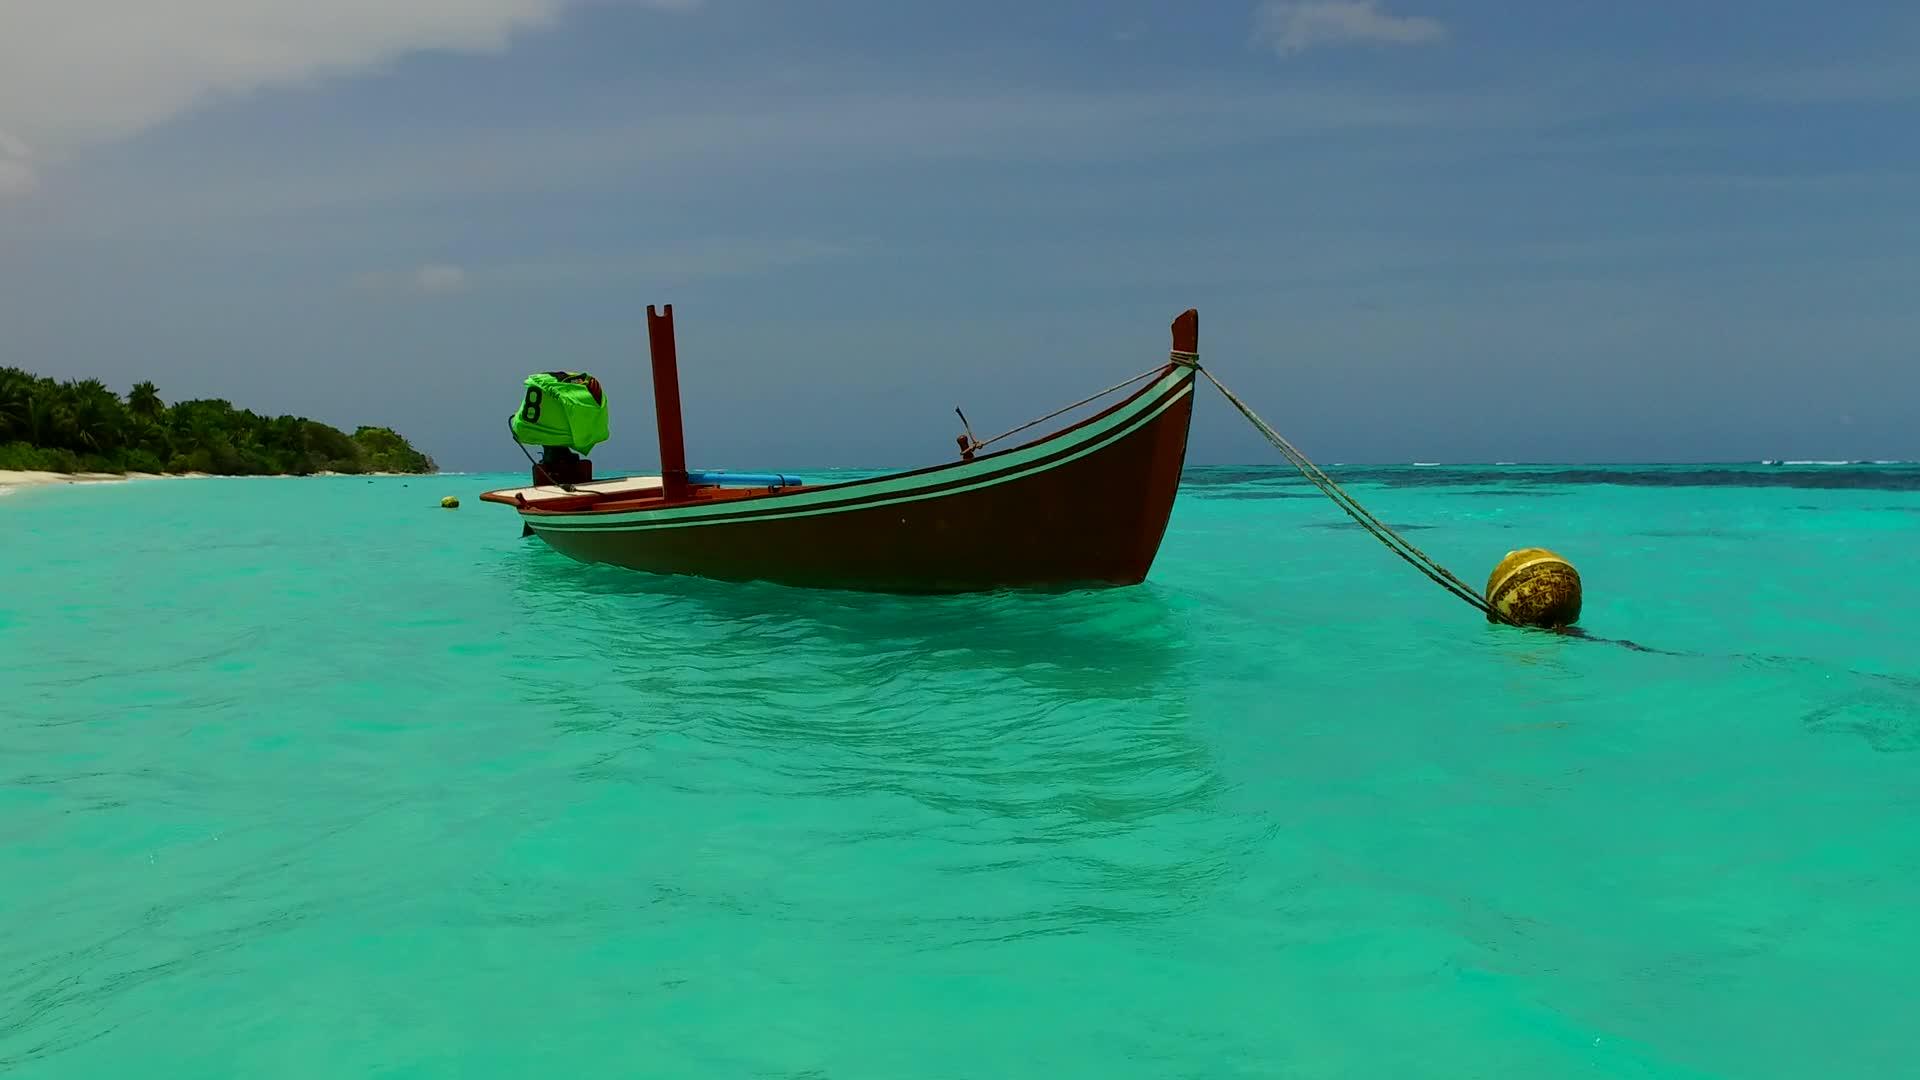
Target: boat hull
[{"x": 1085, "y": 507}]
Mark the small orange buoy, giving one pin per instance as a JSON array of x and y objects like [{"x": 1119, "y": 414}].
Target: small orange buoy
[{"x": 1535, "y": 587}]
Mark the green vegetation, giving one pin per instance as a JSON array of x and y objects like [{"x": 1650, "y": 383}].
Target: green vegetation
[{"x": 81, "y": 426}]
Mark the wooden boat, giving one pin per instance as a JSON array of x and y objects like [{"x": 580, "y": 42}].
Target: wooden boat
[{"x": 1083, "y": 507}]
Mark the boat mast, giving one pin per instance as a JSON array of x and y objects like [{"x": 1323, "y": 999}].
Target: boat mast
[
  {"x": 666, "y": 403},
  {"x": 1186, "y": 332}
]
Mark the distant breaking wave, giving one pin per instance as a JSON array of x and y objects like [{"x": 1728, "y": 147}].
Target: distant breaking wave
[
  {"x": 1836, "y": 475},
  {"x": 1831, "y": 463}
]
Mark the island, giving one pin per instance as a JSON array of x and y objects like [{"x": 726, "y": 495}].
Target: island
[{"x": 80, "y": 426}]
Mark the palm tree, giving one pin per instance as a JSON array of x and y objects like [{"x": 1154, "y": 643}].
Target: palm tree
[
  {"x": 144, "y": 401},
  {"x": 39, "y": 423},
  {"x": 98, "y": 418},
  {"x": 16, "y": 405}
]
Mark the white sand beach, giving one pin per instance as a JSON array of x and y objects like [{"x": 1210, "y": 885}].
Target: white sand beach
[
  {"x": 16, "y": 480},
  {"x": 12, "y": 480}
]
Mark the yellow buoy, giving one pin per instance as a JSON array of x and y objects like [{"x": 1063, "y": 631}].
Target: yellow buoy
[
  {"x": 450, "y": 502},
  {"x": 1535, "y": 587}
]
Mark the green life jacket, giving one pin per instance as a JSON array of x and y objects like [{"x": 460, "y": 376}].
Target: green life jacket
[{"x": 562, "y": 408}]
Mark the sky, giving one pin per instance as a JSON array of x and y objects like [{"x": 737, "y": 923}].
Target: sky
[{"x": 1415, "y": 230}]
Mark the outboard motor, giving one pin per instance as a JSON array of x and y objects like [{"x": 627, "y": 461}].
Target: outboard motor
[{"x": 565, "y": 414}]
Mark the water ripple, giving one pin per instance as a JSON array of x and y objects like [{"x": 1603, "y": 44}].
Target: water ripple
[{"x": 374, "y": 788}]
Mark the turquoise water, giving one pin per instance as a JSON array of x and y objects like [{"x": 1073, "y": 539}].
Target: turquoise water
[{"x": 312, "y": 778}]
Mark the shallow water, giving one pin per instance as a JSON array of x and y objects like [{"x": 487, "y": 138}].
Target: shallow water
[{"x": 312, "y": 778}]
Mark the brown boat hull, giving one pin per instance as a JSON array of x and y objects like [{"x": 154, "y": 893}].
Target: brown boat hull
[{"x": 1085, "y": 507}]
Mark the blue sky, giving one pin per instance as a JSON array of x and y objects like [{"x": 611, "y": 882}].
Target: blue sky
[{"x": 1415, "y": 229}]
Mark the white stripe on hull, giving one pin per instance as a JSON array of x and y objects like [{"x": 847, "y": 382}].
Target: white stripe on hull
[{"x": 1140, "y": 412}]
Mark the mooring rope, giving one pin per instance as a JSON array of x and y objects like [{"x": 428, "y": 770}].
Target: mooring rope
[
  {"x": 1065, "y": 408},
  {"x": 1380, "y": 531},
  {"x": 1394, "y": 542}
]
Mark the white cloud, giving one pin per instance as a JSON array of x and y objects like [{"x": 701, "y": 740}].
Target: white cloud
[
  {"x": 433, "y": 279},
  {"x": 713, "y": 257},
  {"x": 658, "y": 151},
  {"x": 75, "y": 72},
  {"x": 710, "y": 257},
  {"x": 439, "y": 278},
  {"x": 1292, "y": 26},
  {"x": 1852, "y": 83},
  {"x": 16, "y": 166}
]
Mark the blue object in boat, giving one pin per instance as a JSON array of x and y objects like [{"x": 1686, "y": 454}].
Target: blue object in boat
[{"x": 720, "y": 478}]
